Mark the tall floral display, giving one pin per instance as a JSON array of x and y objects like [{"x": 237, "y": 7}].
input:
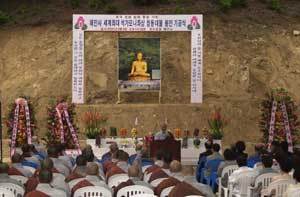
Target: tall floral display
[
  {"x": 278, "y": 119},
  {"x": 216, "y": 125},
  {"x": 61, "y": 127},
  {"x": 20, "y": 123}
]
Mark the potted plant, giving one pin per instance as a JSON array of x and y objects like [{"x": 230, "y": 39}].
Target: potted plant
[
  {"x": 216, "y": 124},
  {"x": 94, "y": 125}
]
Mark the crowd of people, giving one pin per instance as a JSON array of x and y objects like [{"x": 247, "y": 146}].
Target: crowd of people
[
  {"x": 274, "y": 159},
  {"x": 55, "y": 171}
]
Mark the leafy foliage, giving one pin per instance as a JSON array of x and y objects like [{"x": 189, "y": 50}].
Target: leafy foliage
[
  {"x": 4, "y": 18},
  {"x": 97, "y": 4},
  {"x": 111, "y": 9},
  {"x": 228, "y": 4},
  {"x": 75, "y": 3},
  {"x": 275, "y": 5},
  {"x": 149, "y": 2},
  {"x": 129, "y": 47}
]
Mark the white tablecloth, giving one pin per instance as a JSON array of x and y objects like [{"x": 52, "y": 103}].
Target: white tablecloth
[{"x": 189, "y": 156}]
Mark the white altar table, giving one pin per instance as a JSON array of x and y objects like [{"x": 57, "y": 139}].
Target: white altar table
[{"x": 189, "y": 156}]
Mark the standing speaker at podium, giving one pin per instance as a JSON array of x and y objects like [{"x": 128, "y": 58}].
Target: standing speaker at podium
[{"x": 163, "y": 134}]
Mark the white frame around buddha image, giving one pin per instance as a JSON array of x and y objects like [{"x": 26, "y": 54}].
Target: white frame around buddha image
[
  {"x": 137, "y": 23},
  {"x": 160, "y": 66}
]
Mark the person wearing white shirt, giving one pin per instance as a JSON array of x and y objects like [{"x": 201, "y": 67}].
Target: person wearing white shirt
[
  {"x": 242, "y": 171},
  {"x": 45, "y": 178},
  {"x": 294, "y": 189}
]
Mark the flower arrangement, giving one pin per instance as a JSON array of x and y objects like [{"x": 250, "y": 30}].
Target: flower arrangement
[
  {"x": 216, "y": 125},
  {"x": 123, "y": 132},
  {"x": 133, "y": 133},
  {"x": 281, "y": 96},
  {"x": 94, "y": 122},
  {"x": 23, "y": 120},
  {"x": 56, "y": 123},
  {"x": 177, "y": 133}
]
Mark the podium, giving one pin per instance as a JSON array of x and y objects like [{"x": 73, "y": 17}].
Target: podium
[{"x": 169, "y": 144}]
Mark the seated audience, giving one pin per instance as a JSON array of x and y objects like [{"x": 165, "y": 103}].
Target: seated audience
[
  {"x": 90, "y": 157},
  {"x": 93, "y": 175},
  {"x": 4, "y": 177},
  {"x": 92, "y": 179},
  {"x": 113, "y": 148},
  {"x": 57, "y": 182},
  {"x": 208, "y": 150},
  {"x": 129, "y": 182},
  {"x": 157, "y": 174},
  {"x": 27, "y": 156},
  {"x": 190, "y": 178},
  {"x": 67, "y": 161},
  {"x": 134, "y": 175},
  {"x": 80, "y": 167},
  {"x": 242, "y": 171},
  {"x": 267, "y": 163},
  {"x": 175, "y": 170},
  {"x": 184, "y": 189},
  {"x": 214, "y": 156},
  {"x": 240, "y": 147},
  {"x": 285, "y": 167},
  {"x": 58, "y": 164},
  {"x": 39, "y": 147},
  {"x": 35, "y": 153},
  {"x": 230, "y": 159},
  {"x": 137, "y": 155},
  {"x": 44, "y": 186},
  {"x": 168, "y": 182},
  {"x": 256, "y": 157},
  {"x": 113, "y": 170},
  {"x": 122, "y": 162},
  {"x": 17, "y": 168},
  {"x": 294, "y": 188}
]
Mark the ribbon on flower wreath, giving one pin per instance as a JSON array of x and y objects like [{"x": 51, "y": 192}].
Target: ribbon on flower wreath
[
  {"x": 286, "y": 125},
  {"x": 62, "y": 110},
  {"x": 20, "y": 102}
]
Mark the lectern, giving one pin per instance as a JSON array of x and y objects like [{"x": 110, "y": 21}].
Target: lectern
[{"x": 169, "y": 144}]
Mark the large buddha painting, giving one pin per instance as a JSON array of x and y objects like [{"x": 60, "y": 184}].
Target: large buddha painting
[{"x": 139, "y": 64}]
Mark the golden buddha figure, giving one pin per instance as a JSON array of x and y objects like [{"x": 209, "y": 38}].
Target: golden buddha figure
[{"x": 139, "y": 69}]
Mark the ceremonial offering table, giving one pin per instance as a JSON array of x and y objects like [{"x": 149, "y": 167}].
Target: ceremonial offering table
[{"x": 189, "y": 156}]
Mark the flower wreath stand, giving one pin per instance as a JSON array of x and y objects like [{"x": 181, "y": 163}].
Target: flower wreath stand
[{"x": 20, "y": 124}]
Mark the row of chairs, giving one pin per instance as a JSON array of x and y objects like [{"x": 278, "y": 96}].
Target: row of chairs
[{"x": 263, "y": 181}]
